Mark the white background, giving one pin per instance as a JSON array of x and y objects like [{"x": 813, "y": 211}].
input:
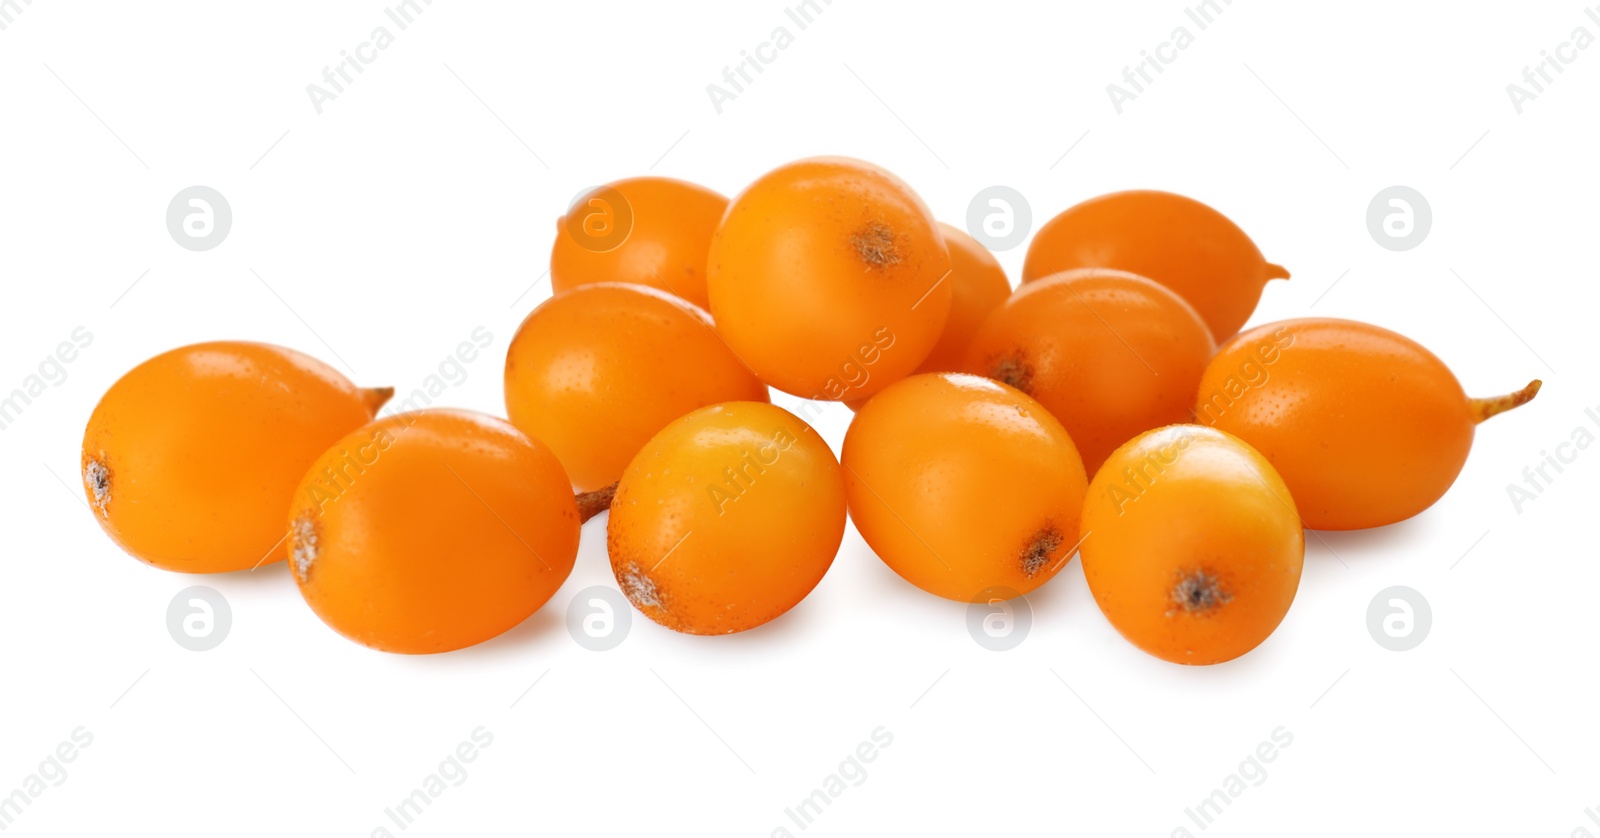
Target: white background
[{"x": 422, "y": 203}]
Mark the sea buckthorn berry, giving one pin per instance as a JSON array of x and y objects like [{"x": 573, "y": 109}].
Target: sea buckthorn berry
[
  {"x": 190, "y": 458},
  {"x": 978, "y": 286},
  {"x": 1109, "y": 353},
  {"x": 962, "y": 485},
  {"x": 1176, "y": 241},
  {"x": 1366, "y": 426},
  {"x": 651, "y": 231},
  {"x": 829, "y": 278},
  {"x": 431, "y": 531},
  {"x": 726, "y": 519},
  {"x": 1192, "y": 547},
  {"x": 596, "y": 371}
]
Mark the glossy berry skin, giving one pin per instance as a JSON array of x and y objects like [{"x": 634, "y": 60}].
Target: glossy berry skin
[
  {"x": 829, "y": 278},
  {"x": 1194, "y": 549},
  {"x": 726, "y": 519},
  {"x": 967, "y": 488},
  {"x": 1366, "y": 426},
  {"x": 1176, "y": 241},
  {"x": 191, "y": 457},
  {"x": 432, "y": 531},
  {"x": 651, "y": 231},
  {"x": 1109, "y": 353},
  {"x": 596, "y": 371}
]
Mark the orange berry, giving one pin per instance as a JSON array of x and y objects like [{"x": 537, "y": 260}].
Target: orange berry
[
  {"x": 1176, "y": 241},
  {"x": 651, "y": 231},
  {"x": 596, "y": 371},
  {"x": 829, "y": 278},
  {"x": 1366, "y": 426},
  {"x": 432, "y": 531},
  {"x": 726, "y": 519},
  {"x": 1109, "y": 353},
  {"x": 190, "y": 458},
  {"x": 978, "y": 286},
  {"x": 1192, "y": 546},
  {"x": 965, "y": 487}
]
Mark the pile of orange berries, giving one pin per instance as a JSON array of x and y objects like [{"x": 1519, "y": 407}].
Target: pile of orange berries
[{"x": 1109, "y": 408}]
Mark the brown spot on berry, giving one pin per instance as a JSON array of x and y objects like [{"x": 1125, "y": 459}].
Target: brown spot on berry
[
  {"x": 874, "y": 242},
  {"x": 639, "y": 588},
  {"x": 98, "y": 478},
  {"x": 303, "y": 547},
  {"x": 1198, "y": 592},
  {"x": 1013, "y": 369},
  {"x": 1039, "y": 550}
]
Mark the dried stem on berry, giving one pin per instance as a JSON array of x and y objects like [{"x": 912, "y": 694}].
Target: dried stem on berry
[
  {"x": 593, "y": 503},
  {"x": 1484, "y": 408}
]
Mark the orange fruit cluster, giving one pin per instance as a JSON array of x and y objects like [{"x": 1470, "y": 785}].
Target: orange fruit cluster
[{"x": 1109, "y": 408}]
